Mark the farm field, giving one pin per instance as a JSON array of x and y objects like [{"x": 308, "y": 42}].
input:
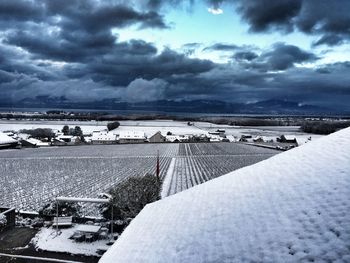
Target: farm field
[{"x": 29, "y": 178}]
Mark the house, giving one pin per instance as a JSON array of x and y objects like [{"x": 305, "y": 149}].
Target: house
[
  {"x": 68, "y": 138},
  {"x": 103, "y": 137},
  {"x": 199, "y": 138},
  {"x": 157, "y": 137},
  {"x": 258, "y": 139},
  {"x": 287, "y": 139},
  {"x": 244, "y": 138},
  {"x": 283, "y": 209},
  {"x": 231, "y": 138},
  {"x": 172, "y": 138},
  {"x": 221, "y": 132},
  {"x": 7, "y": 142},
  {"x": 132, "y": 137},
  {"x": 65, "y": 140},
  {"x": 214, "y": 136},
  {"x": 178, "y": 138}
]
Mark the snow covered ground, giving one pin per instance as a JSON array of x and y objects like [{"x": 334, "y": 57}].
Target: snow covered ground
[
  {"x": 48, "y": 240},
  {"x": 292, "y": 207},
  {"x": 32, "y": 177},
  {"x": 86, "y": 126}
]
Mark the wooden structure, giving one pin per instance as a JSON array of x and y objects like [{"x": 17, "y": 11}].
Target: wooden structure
[
  {"x": 157, "y": 137},
  {"x": 10, "y": 214}
]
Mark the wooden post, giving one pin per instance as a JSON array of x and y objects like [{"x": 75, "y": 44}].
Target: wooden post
[
  {"x": 56, "y": 217},
  {"x": 158, "y": 168},
  {"x": 112, "y": 222}
]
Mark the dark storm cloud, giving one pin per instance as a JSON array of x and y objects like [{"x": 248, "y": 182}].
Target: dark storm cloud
[
  {"x": 192, "y": 45},
  {"x": 295, "y": 84},
  {"x": 21, "y": 10},
  {"x": 334, "y": 67},
  {"x": 280, "y": 57},
  {"x": 285, "y": 56},
  {"x": 76, "y": 46},
  {"x": 120, "y": 68},
  {"x": 13, "y": 62},
  {"x": 245, "y": 55},
  {"x": 221, "y": 47},
  {"x": 263, "y": 14},
  {"x": 102, "y": 17},
  {"x": 328, "y": 19},
  {"x": 329, "y": 39},
  {"x": 215, "y": 3}
]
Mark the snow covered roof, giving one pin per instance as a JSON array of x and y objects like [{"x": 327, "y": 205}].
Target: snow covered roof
[
  {"x": 34, "y": 141},
  {"x": 132, "y": 135},
  {"x": 103, "y": 136},
  {"x": 5, "y": 139},
  {"x": 292, "y": 207}
]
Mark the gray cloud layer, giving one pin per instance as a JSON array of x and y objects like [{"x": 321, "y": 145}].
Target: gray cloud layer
[{"x": 67, "y": 49}]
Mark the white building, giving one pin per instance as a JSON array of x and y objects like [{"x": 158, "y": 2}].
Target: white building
[
  {"x": 132, "y": 137},
  {"x": 103, "y": 137}
]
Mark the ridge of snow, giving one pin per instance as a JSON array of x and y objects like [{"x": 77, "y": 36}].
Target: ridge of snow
[{"x": 292, "y": 207}]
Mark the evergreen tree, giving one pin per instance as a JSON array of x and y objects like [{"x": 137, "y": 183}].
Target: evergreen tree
[{"x": 65, "y": 130}]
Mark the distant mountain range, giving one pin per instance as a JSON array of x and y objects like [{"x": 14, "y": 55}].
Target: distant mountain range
[{"x": 266, "y": 107}]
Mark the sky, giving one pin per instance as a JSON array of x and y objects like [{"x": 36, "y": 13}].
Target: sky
[{"x": 146, "y": 50}]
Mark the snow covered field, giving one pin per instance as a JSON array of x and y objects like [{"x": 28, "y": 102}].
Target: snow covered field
[
  {"x": 293, "y": 207},
  {"x": 31, "y": 177},
  {"x": 16, "y": 125}
]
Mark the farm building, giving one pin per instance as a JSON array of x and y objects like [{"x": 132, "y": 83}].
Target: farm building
[
  {"x": 103, "y": 137},
  {"x": 7, "y": 141},
  {"x": 157, "y": 137},
  {"x": 292, "y": 207},
  {"x": 258, "y": 139},
  {"x": 32, "y": 142},
  {"x": 172, "y": 138},
  {"x": 132, "y": 137},
  {"x": 66, "y": 140},
  {"x": 215, "y": 136},
  {"x": 287, "y": 139}
]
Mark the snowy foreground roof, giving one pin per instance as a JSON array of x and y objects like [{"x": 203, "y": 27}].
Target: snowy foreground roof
[{"x": 293, "y": 207}]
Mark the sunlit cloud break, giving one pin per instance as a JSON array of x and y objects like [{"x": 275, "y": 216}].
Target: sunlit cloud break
[{"x": 215, "y": 11}]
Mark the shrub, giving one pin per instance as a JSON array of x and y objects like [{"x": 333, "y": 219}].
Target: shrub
[
  {"x": 40, "y": 133},
  {"x": 113, "y": 125},
  {"x": 3, "y": 221},
  {"x": 64, "y": 209},
  {"x": 65, "y": 129},
  {"x": 323, "y": 127},
  {"x": 130, "y": 196}
]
